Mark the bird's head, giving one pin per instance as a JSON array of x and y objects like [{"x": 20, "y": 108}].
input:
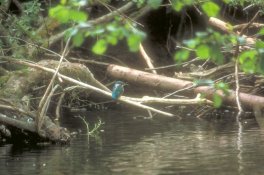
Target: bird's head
[{"x": 120, "y": 83}]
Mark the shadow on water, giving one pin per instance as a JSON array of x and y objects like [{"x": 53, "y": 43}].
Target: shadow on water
[{"x": 133, "y": 145}]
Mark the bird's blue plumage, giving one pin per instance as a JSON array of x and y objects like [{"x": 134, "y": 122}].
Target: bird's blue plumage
[{"x": 118, "y": 90}]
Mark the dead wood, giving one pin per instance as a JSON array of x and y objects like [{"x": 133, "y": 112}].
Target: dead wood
[
  {"x": 89, "y": 87},
  {"x": 253, "y": 25},
  {"x": 147, "y": 79},
  {"x": 207, "y": 74},
  {"x": 171, "y": 84},
  {"x": 50, "y": 90},
  {"x": 13, "y": 116},
  {"x": 147, "y": 59},
  {"x": 21, "y": 84}
]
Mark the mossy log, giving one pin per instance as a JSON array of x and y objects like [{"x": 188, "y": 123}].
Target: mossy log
[{"x": 16, "y": 107}]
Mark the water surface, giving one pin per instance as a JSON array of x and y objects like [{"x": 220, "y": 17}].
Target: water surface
[{"x": 133, "y": 145}]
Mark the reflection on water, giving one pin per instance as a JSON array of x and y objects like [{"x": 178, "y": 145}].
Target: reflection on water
[{"x": 137, "y": 146}]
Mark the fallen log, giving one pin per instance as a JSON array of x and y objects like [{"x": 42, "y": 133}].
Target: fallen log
[
  {"x": 19, "y": 118},
  {"x": 145, "y": 78},
  {"x": 171, "y": 84},
  {"x": 52, "y": 132}
]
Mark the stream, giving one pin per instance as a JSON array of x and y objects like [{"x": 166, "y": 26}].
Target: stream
[{"x": 130, "y": 144}]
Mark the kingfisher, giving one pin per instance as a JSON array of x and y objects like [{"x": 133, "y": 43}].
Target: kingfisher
[{"x": 118, "y": 89}]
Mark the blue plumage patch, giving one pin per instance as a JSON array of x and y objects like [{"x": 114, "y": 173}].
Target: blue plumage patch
[{"x": 118, "y": 90}]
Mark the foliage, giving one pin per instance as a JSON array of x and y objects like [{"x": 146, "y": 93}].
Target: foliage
[
  {"x": 21, "y": 26},
  {"x": 106, "y": 33},
  {"x": 217, "y": 98},
  {"x": 251, "y": 61},
  {"x": 210, "y": 8},
  {"x": 221, "y": 86},
  {"x": 208, "y": 44},
  {"x": 211, "y": 44},
  {"x": 65, "y": 14},
  {"x": 111, "y": 33}
]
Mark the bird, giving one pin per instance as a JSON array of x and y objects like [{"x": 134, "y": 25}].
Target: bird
[{"x": 118, "y": 89}]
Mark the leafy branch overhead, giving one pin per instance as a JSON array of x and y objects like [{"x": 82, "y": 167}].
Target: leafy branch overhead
[
  {"x": 105, "y": 33},
  {"x": 109, "y": 33},
  {"x": 207, "y": 45}
]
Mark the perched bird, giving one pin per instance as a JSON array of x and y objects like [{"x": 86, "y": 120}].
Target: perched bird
[{"x": 118, "y": 89}]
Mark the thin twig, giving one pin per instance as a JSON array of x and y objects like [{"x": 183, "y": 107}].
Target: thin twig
[
  {"x": 196, "y": 100},
  {"x": 173, "y": 65},
  {"x": 96, "y": 126},
  {"x": 43, "y": 102},
  {"x": 240, "y": 109},
  {"x": 106, "y": 17},
  {"x": 90, "y": 87},
  {"x": 86, "y": 124},
  {"x": 42, "y": 111},
  {"x": 249, "y": 24},
  {"x": 96, "y": 21},
  {"x": 147, "y": 58},
  {"x": 59, "y": 106}
]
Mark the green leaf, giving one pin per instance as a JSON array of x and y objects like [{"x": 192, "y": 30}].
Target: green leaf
[
  {"x": 216, "y": 54},
  {"x": 139, "y": 2},
  {"x": 203, "y": 51},
  {"x": 154, "y": 3},
  {"x": 217, "y": 101},
  {"x": 249, "y": 67},
  {"x": 78, "y": 39},
  {"x": 65, "y": 14},
  {"x": 63, "y": 2},
  {"x": 177, "y": 5},
  {"x": 100, "y": 47},
  {"x": 259, "y": 44},
  {"x": 111, "y": 39},
  {"x": 181, "y": 55},
  {"x": 133, "y": 42},
  {"x": 247, "y": 55},
  {"x": 77, "y": 16},
  {"x": 261, "y": 32},
  {"x": 210, "y": 8},
  {"x": 60, "y": 13},
  {"x": 223, "y": 87},
  {"x": 191, "y": 43},
  {"x": 248, "y": 61}
]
